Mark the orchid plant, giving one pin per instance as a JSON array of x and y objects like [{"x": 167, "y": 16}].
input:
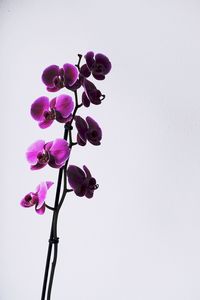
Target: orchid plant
[{"x": 63, "y": 109}]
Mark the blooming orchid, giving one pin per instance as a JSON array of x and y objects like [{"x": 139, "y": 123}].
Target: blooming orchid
[
  {"x": 37, "y": 198},
  {"x": 81, "y": 182},
  {"x": 56, "y": 78},
  {"x": 88, "y": 130},
  {"x": 45, "y": 111},
  {"x": 99, "y": 65},
  {"x": 54, "y": 153}
]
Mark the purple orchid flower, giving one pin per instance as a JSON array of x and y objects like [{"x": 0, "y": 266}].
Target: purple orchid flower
[
  {"x": 99, "y": 66},
  {"x": 45, "y": 111},
  {"x": 91, "y": 94},
  {"x": 56, "y": 78},
  {"x": 81, "y": 182},
  {"x": 54, "y": 153},
  {"x": 88, "y": 130},
  {"x": 37, "y": 198}
]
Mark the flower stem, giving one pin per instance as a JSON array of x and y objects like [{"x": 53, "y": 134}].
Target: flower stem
[{"x": 53, "y": 240}]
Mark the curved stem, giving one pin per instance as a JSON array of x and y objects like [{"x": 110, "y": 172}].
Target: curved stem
[
  {"x": 49, "y": 207},
  {"x": 58, "y": 203},
  {"x": 53, "y": 265},
  {"x": 46, "y": 273}
]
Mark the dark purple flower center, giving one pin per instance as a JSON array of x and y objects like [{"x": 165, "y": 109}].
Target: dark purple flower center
[
  {"x": 50, "y": 115},
  {"x": 28, "y": 198},
  {"x": 59, "y": 81},
  {"x": 43, "y": 157}
]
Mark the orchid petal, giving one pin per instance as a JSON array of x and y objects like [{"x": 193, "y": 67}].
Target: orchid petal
[
  {"x": 76, "y": 176},
  {"x": 89, "y": 57},
  {"x": 82, "y": 127},
  {"x": 41, "y": 210},
  {"x": 45, "y": 124},
  {"x": 49, "y": 75},
  {"x": 65, "y": 105},
  {"x": 85, "y": 71},
  {"x": 33, "y": 151},
  {"x": 70, "y": 73},
  {"x": 53, "y": 103},
  {"x": 98, "y": 76},
  {"x": 42, "y": 191},
  {"x": 87, "y": 172},
  {"x": 38, "y": 166},
  {"x": 38, "y": 108},
  {"x": 60, "y": 151},
  {"x": 85, "y": 100},
  {"x": 80, "y": 141},
  {"x": 103, "y": 60}
]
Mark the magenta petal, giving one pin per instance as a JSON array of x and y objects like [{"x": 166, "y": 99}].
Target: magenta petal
[
  {"x": 53, "y": 89},
  {"x": 53, "y": 164},
  {"x": 45, "y": 124},
  {"x": 53, "y": 103},
  {"x": 49, "y": 75},
  {"x": 38, "y": 108},
  {"x": 28, "y": 200},
  {"x": 41, "y": 192},
  {"x": 70, "y": 73},
  {"x": 49, "y": 184},
  {"x": 38, "y": 166},
  {"x": 48, "y": 146},
  {"x": 60, "y": 151},
  {"x": 41, "y": 210},
  {"x": 65, "y": 105},
  {"x": 33, "y": 151}
]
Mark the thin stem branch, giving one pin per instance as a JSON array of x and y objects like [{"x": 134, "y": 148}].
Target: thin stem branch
[
  {"x": 79, "y": 61},
  {"x": 49, "y": 207}
]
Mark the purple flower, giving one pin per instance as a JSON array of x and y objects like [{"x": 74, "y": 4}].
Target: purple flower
[
  {"x": 91, "y": 94},
  {"x": 56, "y": 78},
  {"x": 37, "y": 198},
  {"x": 54, "y": 153},
  {"x": 99, "y": 66},
  {"x": 45, "y": 112},
  {"x": 81, "y": 182},
  {"x": 88, "y": 130}
]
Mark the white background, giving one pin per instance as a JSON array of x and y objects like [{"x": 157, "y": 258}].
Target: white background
[{"x": 139, "y": 237}]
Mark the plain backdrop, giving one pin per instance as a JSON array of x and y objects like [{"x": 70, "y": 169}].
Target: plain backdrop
[{"x": 139, "y": 237}]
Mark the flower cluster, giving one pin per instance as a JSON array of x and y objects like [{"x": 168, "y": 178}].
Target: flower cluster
[{"x": 62, "y": 109}]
